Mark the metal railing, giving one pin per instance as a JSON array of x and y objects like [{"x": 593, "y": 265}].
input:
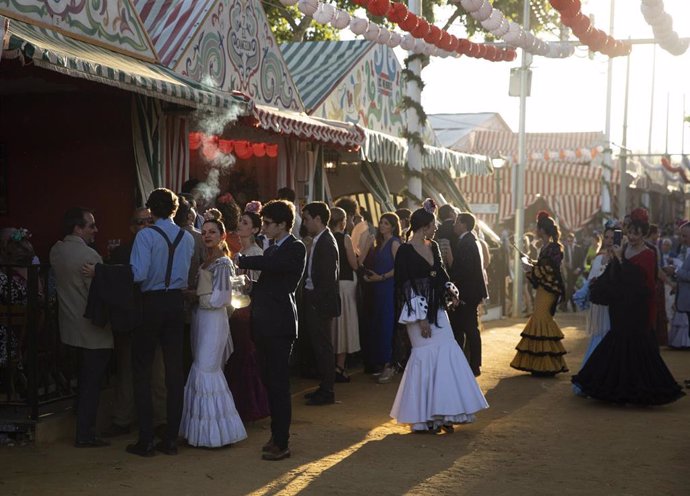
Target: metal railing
[{"x": 36, "y": 368}]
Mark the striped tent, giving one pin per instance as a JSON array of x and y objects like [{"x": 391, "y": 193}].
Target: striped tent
[{"x": 568, "y": 181}]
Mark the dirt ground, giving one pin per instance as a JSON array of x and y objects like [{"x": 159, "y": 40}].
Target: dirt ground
[{"x": 536, "y": 438}]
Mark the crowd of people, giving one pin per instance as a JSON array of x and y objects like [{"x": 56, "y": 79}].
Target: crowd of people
[{"x": 194, "y": 362}]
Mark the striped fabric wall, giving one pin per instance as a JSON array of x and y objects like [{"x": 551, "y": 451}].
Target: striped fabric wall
[
  {"x": 175, "y": 152},
  {"x": 171, "y": 24}
]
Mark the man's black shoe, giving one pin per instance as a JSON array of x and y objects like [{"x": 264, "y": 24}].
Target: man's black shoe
[
  {"x": 274, "y": 454},
  {"x": 311, "y": 394},
  {"x": 167, "y": 447},
  {"x": 141, "y": 449},
  {"x": 321, "y": 397}
]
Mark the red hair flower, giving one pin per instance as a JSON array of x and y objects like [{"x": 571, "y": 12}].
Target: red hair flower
[
  {"x": 640, "y": 215},
  {"x": 429, "y": 205},
  {"x": 226, "y": 198},
  {"x": 253, "y": 207},
  {"x": 542, "y": 214}
]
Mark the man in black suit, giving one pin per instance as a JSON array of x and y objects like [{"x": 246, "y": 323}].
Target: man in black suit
[
  {"x": 466, "y": 273},
  {"x": 321, "y": 297},
  {"x": 573, "y": 266},
  {"x": 274, "y": 316}
]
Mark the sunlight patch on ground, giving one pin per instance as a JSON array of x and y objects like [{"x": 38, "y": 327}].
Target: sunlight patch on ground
[{"x": 298, "y": 479}]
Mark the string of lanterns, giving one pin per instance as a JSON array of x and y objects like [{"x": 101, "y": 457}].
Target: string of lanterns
[
  {"x": 212, "y": 145},
  {"x": 494, "y": 21},
  {"x": 581, "y": 26},
  {"x": 421, "y": 37},
  {"x": 662, "y": 26}
]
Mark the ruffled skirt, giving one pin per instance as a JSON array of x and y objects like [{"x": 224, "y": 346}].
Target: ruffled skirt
[
  {"x": 209, "y": 416},
  {"x": 438, "y": 385},
  {"x": 540, "y": 350}
]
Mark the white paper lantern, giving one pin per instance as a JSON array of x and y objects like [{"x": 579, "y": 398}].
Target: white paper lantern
[
  {"x": 471, "y": 5},
  {"x": 567, "y": 50},
  {"x": 372, "y": 32},
  {"x": 502, "y": 29},
  {"x": 325, "y": 13},
  {"x": 494, "y": 21},
  {"x": 288, "y": 3},
  {"x": 407, "y": 42},
  {"x": 308, "y": 7},
  {"x": 394, "y": 40},
  {"x": 358, "y": 25},
  {"x": 651, "y": 10},
  {"x": 513, "y": 33},
  {"x": 341, "y": 20},
  {"x": 483, "y": 12},
  {"x": 419, "y": 46},
  {"x": 384, "y": 36}
]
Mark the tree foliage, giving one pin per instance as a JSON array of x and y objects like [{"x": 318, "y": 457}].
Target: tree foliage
[{"x": 288, "y": 23}]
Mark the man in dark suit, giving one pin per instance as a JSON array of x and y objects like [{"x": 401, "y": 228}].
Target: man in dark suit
[
  {"x": 321, "y": 297},
  {"x": 274, "y": 316},
  {"x": 466, "y": 273},
  {"x": 573, "y": 266}
]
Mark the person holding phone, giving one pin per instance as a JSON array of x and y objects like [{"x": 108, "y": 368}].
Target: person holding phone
[
  {"x": 540, "y": 350},
  {"x": 627, "y": 367}
]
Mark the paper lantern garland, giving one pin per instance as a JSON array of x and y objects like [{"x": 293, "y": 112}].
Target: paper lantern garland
[
  {"x": 662, "y": 26},
  {"x": 581, "y": 26},
  {"x": 212, "y": 145}
]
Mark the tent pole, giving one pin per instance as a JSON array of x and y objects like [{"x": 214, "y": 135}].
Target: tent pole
[{"x": 518, "y": 276}]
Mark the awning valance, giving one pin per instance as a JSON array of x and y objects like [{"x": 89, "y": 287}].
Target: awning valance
[
  {"x": 53, "y": 51},
  {"x": 304, "y": 127},
  {"x": 389, "y": 150}
]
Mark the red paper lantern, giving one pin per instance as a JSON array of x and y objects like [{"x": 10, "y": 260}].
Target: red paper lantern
[
  {"x": 483, "y": 49},
  {"x": 271, "y": 150},
  {"x": 410, "y": 23},
  {"x": 473, "y": 50},
  {"x": 434, "y": 35},
  {"x": 259, "y": 149},
  {"x": 225, "y": 146},
  {"x": 195, "y": 139},
  {"x": 558, "y": 4},
  {"x": 454, "y": 43},
  {"x": 422, "y": 29},
  {"x": 491, "y": 52},
  {"x": 571, "y": 9},
  {"x": 509, "y": 55},
  {"x": 398, "y": 12},
  {"x": 464, "y": 46},
  {"x": 243, "y": 150},
  {"x": 580, "y": 24},
  {"x": 379, "y": 7}
]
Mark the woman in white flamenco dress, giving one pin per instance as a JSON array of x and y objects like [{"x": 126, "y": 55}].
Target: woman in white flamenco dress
[
  {"x": 209, "y": 416},
  {"x": 438, "y": 388}
]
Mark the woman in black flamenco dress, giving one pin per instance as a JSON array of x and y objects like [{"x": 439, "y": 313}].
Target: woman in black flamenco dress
[{"x": 626, "y": 367}]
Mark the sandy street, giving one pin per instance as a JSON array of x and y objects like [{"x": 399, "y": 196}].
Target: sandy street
[{"x": 537, "y": 438}]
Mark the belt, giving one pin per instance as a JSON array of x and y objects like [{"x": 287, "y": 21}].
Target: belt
[{"x": 158, "y": 291}]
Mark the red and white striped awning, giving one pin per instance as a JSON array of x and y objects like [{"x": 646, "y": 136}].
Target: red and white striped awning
[
  {"x": 300, "y": 125},
  {"x": 559, "y": 170},
  {"x": 571, "y": 190}
]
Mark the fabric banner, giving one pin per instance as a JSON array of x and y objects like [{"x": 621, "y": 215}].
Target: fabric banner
[
  {"x": 146, "y": 122},
  {"x": 374, "y": 180},
  {"x": 175, "y": 151}
]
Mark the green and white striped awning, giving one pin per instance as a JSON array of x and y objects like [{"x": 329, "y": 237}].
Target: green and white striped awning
[
  {"x": 53, "y": 51},
  {"x": 389, "y": 150}
]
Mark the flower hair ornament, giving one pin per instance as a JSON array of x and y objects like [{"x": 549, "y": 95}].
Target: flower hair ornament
[
  {"x": 253, "y": 207},
  {"x": 640, "y": 215},
  {"x": 225, "y": 198},
  {"x": 429, "y": 205},
  {"x": 542, "y": 214},
  {"x": 20, "y": 234},
  {"x": 213, "y": 214}
]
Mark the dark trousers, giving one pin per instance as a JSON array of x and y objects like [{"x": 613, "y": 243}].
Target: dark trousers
[
  {"x": 321, "y": 337},
  {"x": 164, "y": 324},
  {"x": 93, "y": 365},
  {"x": 465, "y": 323},
  {"x": 570, "y": 282},
  {"x": 273, "y": 355}
]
